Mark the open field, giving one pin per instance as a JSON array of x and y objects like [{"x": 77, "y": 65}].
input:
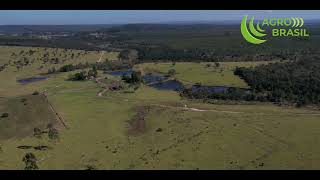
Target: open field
[
  {"x": 25, "y": 113},
  {"x": 37, "y": 65},
  {"x": 191, "y": 73},
  {"x": 153, "y": 129},
  {"x": 228, "y": 137}
]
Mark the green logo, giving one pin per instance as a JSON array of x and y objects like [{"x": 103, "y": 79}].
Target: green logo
[
  {"x": 280, "y": 27},
  {"x": 247, "y": 35}
]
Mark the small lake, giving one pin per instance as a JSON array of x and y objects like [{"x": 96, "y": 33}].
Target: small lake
[
  {"x": 168, "y": 85},
  {"x": 153, "y": 78},
  {"x": 31, "y": 79},
  {"x": 121, "y": 73},
  {"x": 215, "y": 89}
]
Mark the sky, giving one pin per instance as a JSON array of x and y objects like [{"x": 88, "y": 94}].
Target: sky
[{"x": 64, "y": 17}]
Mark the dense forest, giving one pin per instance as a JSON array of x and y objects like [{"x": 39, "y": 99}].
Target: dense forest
[
  {"x": 167, "y": 42},
  {"x": 206, "y": 42},
  {"x": 297, "y": 81}
]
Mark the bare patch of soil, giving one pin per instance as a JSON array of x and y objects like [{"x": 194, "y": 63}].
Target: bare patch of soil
[{"x": 137, "y": 124}]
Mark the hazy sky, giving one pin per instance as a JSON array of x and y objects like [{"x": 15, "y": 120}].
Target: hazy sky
[{"x": 35, "y": 17}]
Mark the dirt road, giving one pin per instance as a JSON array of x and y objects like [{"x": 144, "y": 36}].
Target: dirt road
[{"x": 100, "y": 59}]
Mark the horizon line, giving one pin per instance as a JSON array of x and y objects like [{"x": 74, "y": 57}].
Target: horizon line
[{"x": 162, "y": 22}]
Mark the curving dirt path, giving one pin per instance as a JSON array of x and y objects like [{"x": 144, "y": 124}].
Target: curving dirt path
[
  {"x": 100, "y": 59},
  {"x": 195, "y": 109},
  {"x": 103, "y": 85},
  {"x": 167, "y": 106}
]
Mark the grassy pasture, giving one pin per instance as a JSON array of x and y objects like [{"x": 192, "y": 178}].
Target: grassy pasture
[
  {"x": 9, "y": 76},
  {"x": 260, "y": 136},
  {"x": 25, "y": 113},
  {"x": 230, "y": 137}
]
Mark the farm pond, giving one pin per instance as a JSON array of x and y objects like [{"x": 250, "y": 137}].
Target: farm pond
[
  {"x": 31, "y": 79},
  {"x": 160, "y": 82}
]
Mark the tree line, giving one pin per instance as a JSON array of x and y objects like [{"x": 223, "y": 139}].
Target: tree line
[{"x": 294, "y": 82}]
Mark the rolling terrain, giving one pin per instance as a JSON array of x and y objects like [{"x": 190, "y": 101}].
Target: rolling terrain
[{"x": 146, "y": 128}]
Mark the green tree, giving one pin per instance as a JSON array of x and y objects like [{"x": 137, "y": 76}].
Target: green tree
[
  {"x": 35, "y": 93},
  {"x": 135, "y": 77},
  {"x": 53, "y": 134},
  {"x": 4, "y": 115},
  {"x": 80, "y": 76},
  {"x": 37, "y": 132},
  {"x": 30, "y": 161},
  {"x": 171, "y": 72},
  {"x": 93, "y": 72}
]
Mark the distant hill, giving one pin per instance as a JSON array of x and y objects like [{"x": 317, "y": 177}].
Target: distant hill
[{"x": 13, "y": 29}]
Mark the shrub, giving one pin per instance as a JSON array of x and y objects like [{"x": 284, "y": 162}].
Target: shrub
[
  {"x": 67, "y": 68},
  {"x": 171, "y": 72},
  {"x": 81, "y": 76},
  {"x": 53, "y": 134},
  {"x": 37, "y": 132},
  {"x": 35, "y": 93},
  {"x": 93, "y": 72},
  {"x": 134, "y": 79},
  {"x": 91, "y": 167},
  {"x": 30, "y": 161},
  {"x": 4, "y": 115}
]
